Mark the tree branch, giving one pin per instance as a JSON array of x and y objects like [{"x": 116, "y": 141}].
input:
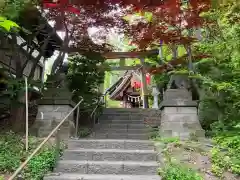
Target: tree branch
[
  {"x": 43, "y": 48},
  {"x": 60, "y": 58}
]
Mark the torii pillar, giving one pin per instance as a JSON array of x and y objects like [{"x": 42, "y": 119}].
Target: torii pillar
[{"x": 144, "y": 85}]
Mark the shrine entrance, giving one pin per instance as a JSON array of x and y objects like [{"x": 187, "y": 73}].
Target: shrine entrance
[{"x": 131, "y": 95}]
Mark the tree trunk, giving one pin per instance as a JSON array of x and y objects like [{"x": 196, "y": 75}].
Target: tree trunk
[
  {"x": 17, "y": 119},
  {"x": 34, "y": 66},
  {"x": 17, "y": 115},
  {"x": 16, "y": 57},
  {"x": 57, "y": 62},
  {"x": 16, "y": 112}
]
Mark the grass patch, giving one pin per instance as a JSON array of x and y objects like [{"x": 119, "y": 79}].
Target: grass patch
[
  {"x": 167, "y": 140},
  {"x": 173, "y": 171},
  {"x": 226, "y": 154},
  {"x": 12, "y": 154}
]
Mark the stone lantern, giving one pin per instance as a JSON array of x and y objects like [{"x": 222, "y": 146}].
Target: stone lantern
[{"x": 155, "y": 94}]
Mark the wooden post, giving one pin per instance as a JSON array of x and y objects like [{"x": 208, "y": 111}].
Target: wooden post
[
  {"x": 144, "y": 85},
  {"x": 26, "y": 101},
  {"x": 58, "y": 144},
  {"x": 161, "y": 52},
  {"x": 175, "y": 55},
  {"x": 189, "y": 52},
  {"x": 77, "y": 122}
]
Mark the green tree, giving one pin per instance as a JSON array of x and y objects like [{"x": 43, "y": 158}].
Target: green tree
[
  {"x": 12, "y": 97},
  {"x": 85, "y": 76},
  {"x": 220, "y": 73}
]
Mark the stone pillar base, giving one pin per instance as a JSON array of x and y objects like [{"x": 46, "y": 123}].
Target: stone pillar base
[
  {"x": 180, "y": 121},
  {"x": 49, "y": 116}
]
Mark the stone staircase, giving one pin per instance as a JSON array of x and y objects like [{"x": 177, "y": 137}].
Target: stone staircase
[{"x": 118, "y": 149}]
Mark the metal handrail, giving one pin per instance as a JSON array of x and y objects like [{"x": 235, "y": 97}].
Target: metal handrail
[
  {"x": 98, "y": 103},
  {"x": 94, "y": 110},
  {"x": 43, "y": 142}
]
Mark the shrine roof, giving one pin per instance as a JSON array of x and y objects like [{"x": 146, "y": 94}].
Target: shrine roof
[{"x": 121, "y": 85}]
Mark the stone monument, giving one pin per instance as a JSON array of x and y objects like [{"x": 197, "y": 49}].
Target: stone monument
[
  {"x": 54, "y": 106},
  {"x": 179, "y": 116}
]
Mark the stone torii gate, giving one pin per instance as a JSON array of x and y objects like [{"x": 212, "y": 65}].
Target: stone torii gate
[{"x": 122, "y": 67}]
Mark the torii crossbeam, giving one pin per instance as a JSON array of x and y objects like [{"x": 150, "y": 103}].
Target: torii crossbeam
[{"x": 140, "y": 55}]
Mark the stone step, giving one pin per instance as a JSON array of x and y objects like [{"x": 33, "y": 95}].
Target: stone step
[
  {"x": 73, "y": 176},
  {"x": 107, "y": 167},
  {"x": 114, "y": 111},
  {"x": 128, "y": 110},
  {"x": 110, "y": 155},
  {"x": 122, "y": 110},
  {"x": 110, "y": 144},
  {"x": 118, "y": 121},
  {"x": 131, "y": 131},
  {"x": 121, "y": 126},
  {"x": 122, "y": 117},
  {"x": 102, "y": 135}
]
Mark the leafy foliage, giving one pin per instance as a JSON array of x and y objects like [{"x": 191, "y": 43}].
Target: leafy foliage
[
  {"x": 219, "y": 74},
  {"x": 44, "y": 162},
  {"x": 164, "y": 23},
  {"x": 218, "y": 77},
  {"x": 175, "y": 171},
  {"x": 85, "y": 77},
  {"x": 12, "y": 153},
  {"x": 7, "y": 25},
  {"x": 172, "y": 169},
  {"x": 229, "y": 158},
  {"x": 12, "y": 8}
]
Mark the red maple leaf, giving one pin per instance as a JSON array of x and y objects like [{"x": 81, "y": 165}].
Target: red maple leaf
[{"x": 62, "y": 5}]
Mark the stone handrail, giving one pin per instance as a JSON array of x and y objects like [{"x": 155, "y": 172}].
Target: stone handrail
[{"x": 55, "y": 130}]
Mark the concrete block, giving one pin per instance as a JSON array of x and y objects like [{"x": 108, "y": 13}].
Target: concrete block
[
  {"x": 180, "y": 110},
  {"x": 49, "y": 116},
  {"x": 177, "y": 94}
]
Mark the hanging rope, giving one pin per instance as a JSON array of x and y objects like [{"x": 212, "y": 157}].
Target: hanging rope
[{"x": 134, "y": 98}]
